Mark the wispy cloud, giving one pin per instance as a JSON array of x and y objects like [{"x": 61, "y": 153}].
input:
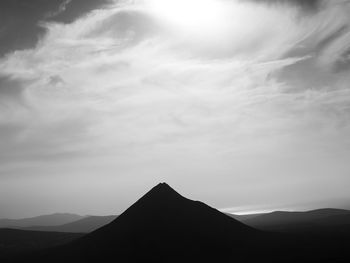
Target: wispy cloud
[
  {"x": 308, "y": 6},
  {"x": 117, "y": 92}
]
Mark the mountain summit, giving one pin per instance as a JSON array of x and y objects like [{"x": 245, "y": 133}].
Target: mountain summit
[
  {"x": 162, "y": 192},
  {"x": 162, "y": 187},
  {"x": 162, "y": 226}
]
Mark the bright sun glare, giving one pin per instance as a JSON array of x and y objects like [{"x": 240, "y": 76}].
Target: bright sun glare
[{"x": 194, "y": 15}]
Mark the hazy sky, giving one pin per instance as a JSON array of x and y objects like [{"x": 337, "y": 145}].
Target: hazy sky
[{"x": 243, "y": 104}]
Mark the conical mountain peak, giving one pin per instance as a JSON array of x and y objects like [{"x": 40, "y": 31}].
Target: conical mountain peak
[
  {"x": 162, "y": 192},
  {"x": 159, "y": 224},
  {"x": 163, "y": 188}
]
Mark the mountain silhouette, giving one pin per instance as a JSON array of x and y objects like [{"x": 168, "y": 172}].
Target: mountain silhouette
[
  {"x": 44, "y": 220},
  {"x": 321, "y": 221},
  {"x": 162, "y": 226},
  {"x": 85, "y": 225}
]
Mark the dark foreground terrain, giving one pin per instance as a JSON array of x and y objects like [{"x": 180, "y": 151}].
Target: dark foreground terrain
[
  {"x": 14, "y": 243},
  {"x": 163, "y": 226}
]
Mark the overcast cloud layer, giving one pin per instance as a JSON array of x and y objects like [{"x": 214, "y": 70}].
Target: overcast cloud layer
[{"x": 106, "y": 105}]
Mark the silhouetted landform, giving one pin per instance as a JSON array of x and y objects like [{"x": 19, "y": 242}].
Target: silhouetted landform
[
  {"x": 44, "y": 220},
  {"x": 85, "y": 225},
  {"x": 164, "y": 226},
  {"x": 280, "y": 221},
  {"x": 14, "y": 242},
  {"x": 320, "y": 221}
]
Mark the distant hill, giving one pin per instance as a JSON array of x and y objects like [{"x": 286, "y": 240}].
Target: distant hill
[
  {"x": 44, "y": 220},
  {"x": 327, "y": 220},
  {"x": 243, "y": 218},
  {"x": 13, "y": 241},
  {"x": 281, "y": 221},
  {"x": 85, "y": 225}
]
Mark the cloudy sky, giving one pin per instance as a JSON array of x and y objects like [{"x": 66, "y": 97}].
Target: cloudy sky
[{"x": 243, "y": 104}]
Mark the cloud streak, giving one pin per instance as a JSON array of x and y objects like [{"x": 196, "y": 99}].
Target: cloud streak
[
  {"x": 308, "y": 6},
  {"x": 117, "y": 98}
]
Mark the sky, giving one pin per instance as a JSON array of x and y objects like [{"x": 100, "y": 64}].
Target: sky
[{"x": 242, "y": 104}]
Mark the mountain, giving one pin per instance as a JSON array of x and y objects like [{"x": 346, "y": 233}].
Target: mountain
[
  {"x": 44, "y": 220},
  {"x": 85, "y": 225},
  {"x": 14, "y": 241},
  {"x": 320, "y": 220},
  {"x": 274, "y": 221},
  {"x": 162, "y": 226}
]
